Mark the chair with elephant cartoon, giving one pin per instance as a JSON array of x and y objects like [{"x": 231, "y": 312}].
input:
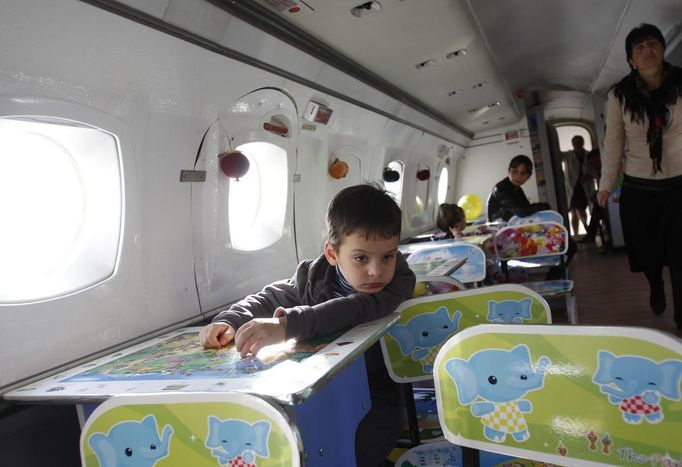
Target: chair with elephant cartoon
[
  {"x": 566, "y": 395},
  {"x": 189, "y": 429},
  {"x": 535, "y": 243},
  {"x": 411, "y": 344}
]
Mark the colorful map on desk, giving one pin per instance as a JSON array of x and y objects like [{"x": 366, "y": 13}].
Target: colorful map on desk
[
  {"x": 175, "y": 361},
  {"x": 182, "y": 357}
]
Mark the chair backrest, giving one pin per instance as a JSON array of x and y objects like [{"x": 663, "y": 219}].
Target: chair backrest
[
  {"x": 547, "y": 215},
  {"x": 568, "y": 395},
  {"x": 426, "y": 285},
  {"x": 424, "y": 261},
  {"x": 531, "y": 240},
  {"x": 188, "y": 429},
  {"x": 411, "y": 344}
]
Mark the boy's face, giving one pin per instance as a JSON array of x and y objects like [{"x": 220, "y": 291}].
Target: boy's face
[
  {"x": 368, "y": 264},
  {"x": 519, "y": 174}
]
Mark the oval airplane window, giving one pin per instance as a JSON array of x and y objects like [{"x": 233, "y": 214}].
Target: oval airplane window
[
  {"x": 421, "y": 198},
  {"x": 257, "y": 201},
  {"x": 443, "y": 185},
  {"x": 396, "y": 188},
  {"x": 61, "y": 203}
]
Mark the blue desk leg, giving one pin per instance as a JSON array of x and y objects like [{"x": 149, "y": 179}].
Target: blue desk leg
[{"x": 328, "y": 419}]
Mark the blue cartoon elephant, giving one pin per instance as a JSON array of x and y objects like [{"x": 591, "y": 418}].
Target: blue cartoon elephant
[
  {"x": 423, "y": 335},
  {"x": 636, "y": 384},
  {"x": 428, "y": 455},
  {"x": 237, "y": 440},
  {"x": 131, "y": 444},
  {"x": 509, "y": 311},
  {"x": 500, "y": 378}
]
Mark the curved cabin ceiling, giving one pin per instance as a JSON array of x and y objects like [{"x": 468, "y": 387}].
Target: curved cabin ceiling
[{"x": 556, "y": 52}]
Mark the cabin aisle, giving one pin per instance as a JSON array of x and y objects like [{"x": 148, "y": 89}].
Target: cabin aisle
[{"x": 607, "y": 293}]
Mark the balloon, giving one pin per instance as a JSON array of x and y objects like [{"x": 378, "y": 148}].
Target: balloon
[
  {"x": 391, "y": 175},
  {"x": 472, "y": 206},
  {"x": 338, "y": 169},
  {"x": 233, "y": 164},
  {"x": 423, "y": 174}
]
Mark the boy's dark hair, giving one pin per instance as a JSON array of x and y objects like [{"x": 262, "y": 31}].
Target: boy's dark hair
[
  {"x": 367, "y": 208},
  {"x": 579, "y": 137},
  {"x": 521, "y": 159},
  {"x": 641, "y": 33},
  {"x": 449, "y": 215}
]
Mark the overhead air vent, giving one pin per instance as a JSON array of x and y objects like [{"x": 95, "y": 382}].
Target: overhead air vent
[
  {"x": 365, "y": 9},
  {"x": 456, "y": 53},
  {"x": 424, "y": 64}
]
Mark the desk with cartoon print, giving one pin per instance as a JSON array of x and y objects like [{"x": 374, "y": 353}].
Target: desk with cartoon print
[{"x": 301, "y": 379}]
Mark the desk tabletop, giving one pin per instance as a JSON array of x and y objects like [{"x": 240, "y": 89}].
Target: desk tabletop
[
  {"x": 176, "y": 362},
  {"x": 409, "y": 248}
]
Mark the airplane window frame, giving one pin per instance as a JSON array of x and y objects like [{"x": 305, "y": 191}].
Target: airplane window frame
[
  {"x": 257, "y": 202},
  {"x": 396, "y": 188},
  {"x": 65, "y": 259}
]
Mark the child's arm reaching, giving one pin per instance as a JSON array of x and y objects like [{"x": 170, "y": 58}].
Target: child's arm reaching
[
  {"x": 259, "y": 332},
  {"x": 254, "y": 313},
  {"x": 305, "y": 322}
]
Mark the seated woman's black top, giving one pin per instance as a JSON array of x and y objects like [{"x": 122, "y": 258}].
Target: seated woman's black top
[{"x": 507, "y": 200}]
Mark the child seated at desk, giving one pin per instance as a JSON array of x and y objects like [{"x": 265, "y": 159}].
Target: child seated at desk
[
  {"x": 451, "y": 220},
  {"x": 360, "y": 277}
]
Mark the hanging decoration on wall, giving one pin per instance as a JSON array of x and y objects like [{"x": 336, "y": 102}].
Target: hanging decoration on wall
[
  {"x": 233, "y": 164},
  {"x": 391, "y": 175},
  {"x": 338, "y": 169},
  {"x": 423, "y": 174}
]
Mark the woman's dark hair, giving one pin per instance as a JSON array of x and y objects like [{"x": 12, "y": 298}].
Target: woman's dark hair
[
  {"x": 521, "y": 159},
  {"x": 643, "y": 32}
]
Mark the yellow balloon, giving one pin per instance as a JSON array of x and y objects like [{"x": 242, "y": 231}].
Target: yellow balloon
[{"x": 472, "y": 206}]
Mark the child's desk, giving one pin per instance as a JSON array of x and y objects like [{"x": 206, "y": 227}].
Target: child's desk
[
  {"x": 323, "y": 384},
  {"x": 408, "y": 248}
]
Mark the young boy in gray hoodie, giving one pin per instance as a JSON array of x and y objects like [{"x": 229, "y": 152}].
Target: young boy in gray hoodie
[{"x": 360, "y": 277}]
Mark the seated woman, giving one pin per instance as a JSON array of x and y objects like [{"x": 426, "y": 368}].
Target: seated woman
[
  {"x": 507, "y": 198},
  {"x": 450, "y": 220}
]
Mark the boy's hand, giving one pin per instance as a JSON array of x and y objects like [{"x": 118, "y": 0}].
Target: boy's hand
[
  {"x": 259, "y": 332},
  {"x": 216, "y": 335}
]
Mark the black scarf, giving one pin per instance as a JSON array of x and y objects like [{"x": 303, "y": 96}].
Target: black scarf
[{"x": 636, "y": 98}]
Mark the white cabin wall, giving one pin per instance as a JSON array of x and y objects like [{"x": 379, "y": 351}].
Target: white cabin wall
[
  {"x": 485, "y": 163},
  {"x": 164, "y": 93}
]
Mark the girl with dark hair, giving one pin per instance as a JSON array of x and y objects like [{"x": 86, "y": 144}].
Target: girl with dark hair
[{"x": 644, "y": 123}]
